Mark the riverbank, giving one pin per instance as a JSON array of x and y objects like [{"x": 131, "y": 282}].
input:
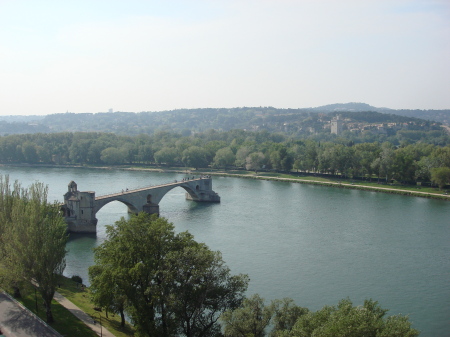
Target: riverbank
[
  {"x": 407, "y": 190},
  {"x": 357, "y": 186},
  {"x": 416, "y": 191},
  {"x": 74, "y": 313}
]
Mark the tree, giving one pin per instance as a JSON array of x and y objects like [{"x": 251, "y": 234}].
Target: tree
[
  {"x": 167, "y": 155},
  {"x": 440, "y": 176},
  {"x": 290, "y": 320},
  {"x": 112, "y": 155},
  {"x": 95, "y": 151},
  {"x": 195, "y": 156},
  {"x": 34, "y": 240},
  {"x": 281, "y": 159},
  {"x": 366, "y": 153},
  {"x": 424, "y": 167},
  {"x": 241, "y": 155},
  {"x": 29, "y": 152},
  {"x": 251, "y": 319},
  {"x": 442, "y": 155},
  {"x": 8, "y": 198},
  {"x": 105, "y": 291},
  {"x": 254, "y": 161},
  {"x": 387, "y": 157},
  {"x": 171, "y": 284},
  {"x": 311, "y": 155},
  {"x": 145, "y": 153},
  {"x": 285, "y": 316},
  {"x": 224, "y": 157},
  {"x": 404, "y": 164},
  {"x": 201, "y": 288},
  {"x": 43, "y": 154},
  {"x": 346, "y": 320},
  {"x": 79, "y": 150}
]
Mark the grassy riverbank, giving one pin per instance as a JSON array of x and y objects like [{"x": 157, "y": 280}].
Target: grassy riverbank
[
  {"x": 330, "y": 181},
  {"x": 396, "y": 188},
  {"x": 418, "y": 191},
  {"x": 82, "y": 299},
  {"x": 65, "y": 322}
]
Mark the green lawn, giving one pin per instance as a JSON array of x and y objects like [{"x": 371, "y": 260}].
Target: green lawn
[
  {"x": 65, "y": 322},
  {"x": 357, "y": 183},
  {"x": 81, "y": 298}
]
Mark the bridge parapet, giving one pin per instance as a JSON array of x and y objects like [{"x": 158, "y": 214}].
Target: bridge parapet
[{"x": 80, "y": 208}]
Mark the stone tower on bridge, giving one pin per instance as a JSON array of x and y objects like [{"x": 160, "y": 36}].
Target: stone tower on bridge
[{"x": 79, "y": 209}]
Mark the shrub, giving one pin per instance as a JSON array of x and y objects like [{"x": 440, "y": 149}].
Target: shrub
[{"x": 77, "y": 279}]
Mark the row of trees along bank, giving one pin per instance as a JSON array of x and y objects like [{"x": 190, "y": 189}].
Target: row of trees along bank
[{"x": 407, "y": 163}]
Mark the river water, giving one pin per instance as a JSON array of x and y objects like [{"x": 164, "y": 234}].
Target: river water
[{"x": 314, "y": 244}]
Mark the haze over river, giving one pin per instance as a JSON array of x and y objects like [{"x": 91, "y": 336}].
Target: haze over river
[{"x": 314, "y": 244}]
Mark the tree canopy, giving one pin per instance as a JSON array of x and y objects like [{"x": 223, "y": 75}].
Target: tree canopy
[
  {"x": 33, "y": 239},
  {"x": 288, "y": 320},
  {"x": 169, "y": 283},
  {"x": 388, "y": 158}
]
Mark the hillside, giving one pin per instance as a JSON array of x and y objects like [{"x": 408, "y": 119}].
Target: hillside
[
  {"x": 360, "y": 121},
  {"x": 441, "y": 116}
]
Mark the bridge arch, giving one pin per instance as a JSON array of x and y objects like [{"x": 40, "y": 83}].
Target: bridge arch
[
  {"x": 156, "y": 199},
  {"x": 131, "y": 208}
]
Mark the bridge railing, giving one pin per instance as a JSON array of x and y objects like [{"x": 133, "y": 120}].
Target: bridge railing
[{"x": 130, "y": 190}]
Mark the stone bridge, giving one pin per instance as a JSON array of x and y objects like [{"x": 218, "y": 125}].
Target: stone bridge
[{"x": 80, "y": 208}]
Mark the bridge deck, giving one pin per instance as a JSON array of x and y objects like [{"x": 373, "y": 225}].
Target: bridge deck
[{"x": 149, "y": 187}]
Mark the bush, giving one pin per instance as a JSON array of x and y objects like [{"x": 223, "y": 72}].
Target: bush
[{"x": 77, "y": 279}]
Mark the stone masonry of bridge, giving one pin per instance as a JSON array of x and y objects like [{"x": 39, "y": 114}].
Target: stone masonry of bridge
[{"x": 80, "y": 208}]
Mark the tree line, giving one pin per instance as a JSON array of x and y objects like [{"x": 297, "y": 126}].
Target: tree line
[{"x": 236, "y": 149}]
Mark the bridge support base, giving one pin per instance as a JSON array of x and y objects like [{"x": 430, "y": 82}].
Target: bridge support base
[
  {"x": 151, "y": 209},
  {"x": 204, "y": 196},
  {"x": 80, "y": 226}
]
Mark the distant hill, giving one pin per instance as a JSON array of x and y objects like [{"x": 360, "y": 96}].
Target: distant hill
[
  {"x": 337, "y": 107},
  {"x": 297, "y": 123},
  {"x": 441, "y": 116}
]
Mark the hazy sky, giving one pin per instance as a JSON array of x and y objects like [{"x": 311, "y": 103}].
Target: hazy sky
[{"x": 137, "y": 55}]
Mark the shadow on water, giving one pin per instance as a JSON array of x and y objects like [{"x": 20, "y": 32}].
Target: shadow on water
[
  {"x": 198, "y": 206},
  {"x": 82, "y": 236}
]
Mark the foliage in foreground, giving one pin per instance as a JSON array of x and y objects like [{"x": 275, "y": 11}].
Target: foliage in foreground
[
  {"x": 168, "y": 283},
  {"x": 32, "y": 239},
  {"x": 289, "y": 320}
]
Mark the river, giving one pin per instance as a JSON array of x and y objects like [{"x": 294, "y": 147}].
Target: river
[{"x": 314, "y": 244}]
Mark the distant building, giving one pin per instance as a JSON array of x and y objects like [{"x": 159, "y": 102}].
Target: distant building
[
  {"x": 336, "y": 125},
  {"x": 110, "y": 110}
]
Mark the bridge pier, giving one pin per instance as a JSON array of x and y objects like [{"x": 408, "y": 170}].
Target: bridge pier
[
  {"x": 151, "y": 208},
  {"x": 202, "y": 191},
  {"x": 203, "y": 196}
]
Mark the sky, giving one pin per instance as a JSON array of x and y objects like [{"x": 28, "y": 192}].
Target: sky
[{"x": 135, "y": 55}]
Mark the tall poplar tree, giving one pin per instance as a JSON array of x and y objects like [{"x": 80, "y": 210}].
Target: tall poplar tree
[{"x": 34, "y": 240}]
